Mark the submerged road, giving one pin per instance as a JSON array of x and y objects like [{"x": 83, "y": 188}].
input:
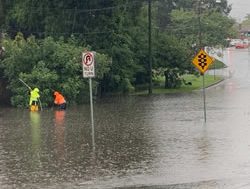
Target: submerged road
[{"x": 154, "y": 142}]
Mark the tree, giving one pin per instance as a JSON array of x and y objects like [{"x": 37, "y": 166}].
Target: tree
[
  {"x": 245, "y": 24},
  {"x": 49, "y": 65},
  {"x": 118, "y": 29},
  {"x": 185, "y": 23}
]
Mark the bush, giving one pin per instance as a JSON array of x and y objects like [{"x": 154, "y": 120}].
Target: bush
[{"x": 49, "y": 65}]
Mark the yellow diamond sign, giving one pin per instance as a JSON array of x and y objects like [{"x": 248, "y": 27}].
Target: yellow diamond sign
[{"x": 202, "y": 61}]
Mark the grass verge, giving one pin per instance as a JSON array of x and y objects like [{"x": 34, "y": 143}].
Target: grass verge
[{"x": 197, "y": 83}]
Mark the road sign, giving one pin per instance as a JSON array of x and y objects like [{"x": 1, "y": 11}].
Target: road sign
[
  {"x": 88, "y": 64},
  {"x": 202, "y": 61}
]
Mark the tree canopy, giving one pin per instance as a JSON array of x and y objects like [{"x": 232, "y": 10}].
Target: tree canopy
[{"x": 53, "y": 33}]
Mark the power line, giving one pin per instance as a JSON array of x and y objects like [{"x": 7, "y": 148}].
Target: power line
[{"x": 83, "y": 10}]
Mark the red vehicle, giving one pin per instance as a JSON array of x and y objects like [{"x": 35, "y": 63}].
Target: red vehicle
[{"x": 241, "y": 45}]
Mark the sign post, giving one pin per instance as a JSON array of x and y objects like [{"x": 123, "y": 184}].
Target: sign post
[
  {"x": 88, "y": 66},
  {"x": 202, "y": 61}
]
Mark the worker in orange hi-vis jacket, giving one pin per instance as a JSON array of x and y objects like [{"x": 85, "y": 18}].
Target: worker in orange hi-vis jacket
[{"x": 59, "y": 100}]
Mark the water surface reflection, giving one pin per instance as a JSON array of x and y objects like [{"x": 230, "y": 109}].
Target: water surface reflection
[
  {"x": 60, "y": 133},
  {"x": 157, "y": 141}
]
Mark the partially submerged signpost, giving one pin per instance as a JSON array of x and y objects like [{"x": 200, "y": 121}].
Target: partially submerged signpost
[
  {"x": 202, "y": 61},
  {"x": 88, "y": 66}
]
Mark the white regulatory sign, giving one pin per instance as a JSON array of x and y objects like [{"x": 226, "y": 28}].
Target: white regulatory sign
[{"x": 88, "y": 64}]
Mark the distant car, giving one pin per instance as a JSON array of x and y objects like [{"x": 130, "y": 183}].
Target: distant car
[
  {"x": 241, "y": 45},
  {"x": 233, "y": 42}
]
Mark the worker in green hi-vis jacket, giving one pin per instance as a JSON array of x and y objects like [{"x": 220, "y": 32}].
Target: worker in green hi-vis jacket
[{"x": 34, "y": 97}]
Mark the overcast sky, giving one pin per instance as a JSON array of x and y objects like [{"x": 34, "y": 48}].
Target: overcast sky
[{"x": 240, "y": 8}]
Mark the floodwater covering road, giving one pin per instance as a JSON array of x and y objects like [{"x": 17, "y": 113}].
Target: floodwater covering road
[{"x": 158, "y": 141}]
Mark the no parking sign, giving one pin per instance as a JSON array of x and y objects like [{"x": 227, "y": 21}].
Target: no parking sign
[{"x": 88, "y": 64}]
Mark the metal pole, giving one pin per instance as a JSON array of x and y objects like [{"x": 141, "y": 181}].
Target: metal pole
[
  {"x": 40, "y": 103},
  {"x": 204, "y": 98},
  {"x": 92, "y": 113},
  {"x": 214, "y": 69},
  {"x": 199, "y": 22},
  {"x": 150, "y": 48},
  {"x": 200, "y": 46},
  {"x": 25, "y": 84}
]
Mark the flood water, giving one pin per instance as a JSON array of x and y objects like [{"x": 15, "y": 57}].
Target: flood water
[{"x": 158, "y": 141}]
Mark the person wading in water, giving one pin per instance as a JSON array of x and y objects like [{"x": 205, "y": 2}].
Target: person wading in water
[
  {"x": 34, "y": 98},
  {"x": 59, "y": 100}
]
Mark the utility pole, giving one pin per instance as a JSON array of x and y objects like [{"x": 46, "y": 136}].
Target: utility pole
[
  {"x": 200, "y": 47},
  {"x": 199, "y": 23},
  {"x": 150, "y": 47}
]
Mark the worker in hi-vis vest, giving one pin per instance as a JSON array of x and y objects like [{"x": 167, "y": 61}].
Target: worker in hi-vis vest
[
  {"x": 34, "y": 98},
  {"x": 59, "y": 100}
]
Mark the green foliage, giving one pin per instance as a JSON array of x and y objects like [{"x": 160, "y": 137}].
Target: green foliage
[
  {"x": 126, "y": 86},
  {"x": 117, "y": 30},
  {"x": 219, "y": 30},
  {"x": 246, "y": 22},
  {"x": 185, "y": 23},
  {"x": 49, "y": 65},
  {"x": 217, "y": 65},
  {"x": 171, "y": 52}
]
